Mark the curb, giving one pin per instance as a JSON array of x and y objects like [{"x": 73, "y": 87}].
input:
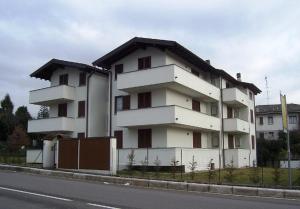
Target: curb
[{"x": 172, "y": 185}]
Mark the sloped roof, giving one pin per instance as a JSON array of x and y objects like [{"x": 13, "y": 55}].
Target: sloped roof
[
  {"x": 45, "y": 71},
  {"x": 137, "y": 42},
  {"x": 276, "y": 108}
]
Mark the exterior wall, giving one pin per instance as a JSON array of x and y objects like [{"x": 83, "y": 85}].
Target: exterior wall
[{"x": 276, "y": 127}]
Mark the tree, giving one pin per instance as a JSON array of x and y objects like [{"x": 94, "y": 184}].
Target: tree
[
  {"x": 7, "y": 116},
  {"x": 192, "y": 166},
  {"x": 43, "y": 112},
  {"x": 17, "y": 139},
  {"x": 3, "y": 130},
  {"x": 22, "y": 116},
  {"x": 7, "y": 105}
]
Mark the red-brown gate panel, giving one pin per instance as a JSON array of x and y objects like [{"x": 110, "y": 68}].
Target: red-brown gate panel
[{"x": 68, "y": 154}]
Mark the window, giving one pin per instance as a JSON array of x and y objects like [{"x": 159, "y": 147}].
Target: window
[
  {"x": 62, "y": 110},
  {"x": 227, "y": 85},
  {"x": 118, "y": 70},
  {"x": 252, "y": 116},
  {"x": 253, "y": 142},
  {"x": 214, "y": 109},
  {"x": 196, "y": 140},
  {"x": 230, "y": 142},
  {"x": 119, "y": 136},
  {"x": 81, "y": 135},
  {"x": 250, "y": 95},
  {"x": 195, "y": 72},
  {"x": 271, "y": 135},
  {"x": 144, "y": 138},
  {"x": 293, "y": 119},
  {"x": 237, "y": 142},
  {"x": 82, "y": 79},
  {"x": 144, "y": 100},
  {"x": 63, "y": 79},
  {"x": 261, "y": 120},
  {"x": 196, "y": 105},
  {"x": 122, "y": 103},
  {"x": 270, "y": 120},
  {"x": 215, "y": 140},
  {"x": 144, "y": 63},
  {"x": 261, "y": 135},
  {"x": 229, "y": 112},
  {"x": 81, "y": 109}
]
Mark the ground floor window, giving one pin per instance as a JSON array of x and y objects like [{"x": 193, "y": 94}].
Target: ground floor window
[{"x": 144, "y": 138}]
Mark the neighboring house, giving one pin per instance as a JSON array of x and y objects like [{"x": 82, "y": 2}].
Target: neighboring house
[
  {"x": 164, "y": 102},
  {"x": 269, "y": 120}
]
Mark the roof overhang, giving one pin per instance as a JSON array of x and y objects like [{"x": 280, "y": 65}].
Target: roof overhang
[
  {"x": 136, "y": 43},
  {"x": 45, "y": 71}
]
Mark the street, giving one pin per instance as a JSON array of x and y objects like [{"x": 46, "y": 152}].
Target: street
[{"x": 21, "y": 190}]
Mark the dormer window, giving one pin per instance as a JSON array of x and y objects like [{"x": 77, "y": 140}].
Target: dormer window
[{"x": 63, "y": 79}]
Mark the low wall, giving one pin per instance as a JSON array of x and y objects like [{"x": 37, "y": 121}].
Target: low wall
[
  {"x": 34, "y": 156},
  {"x": 294, "y": 164}
]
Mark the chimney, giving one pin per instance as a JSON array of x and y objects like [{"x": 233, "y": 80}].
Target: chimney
[
  {"x": 207, "y": 61},
  {"x": 238, "y": 77}
]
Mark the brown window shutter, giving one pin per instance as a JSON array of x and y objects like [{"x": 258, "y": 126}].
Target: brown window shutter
[
  {"x": 140, "y": 63},
  {"x": 63, "y": 79},
  {"x": 82, "y": 79},
  {"x": 81, "y": 109},
  {"x": 144, "y": 138},
  {"x": 230, "y": 141},
  {"x": 119, "y": 136},
  {"x": 229, "y": 112},
  {"x": 148, "y": 99},
  {"x": 62, "y": 110},
  {"x": 196, "y": 105},
  {"x": 118, "y": 70},
  {"x": 126, "y": 102},
  {"x": 147, "y": 62},
  {"x": 253, "y": 142},
  {"x": 197, "y": 140},
  {"x": 144, "y": 100},
  {"x": 252, "y": 116}
]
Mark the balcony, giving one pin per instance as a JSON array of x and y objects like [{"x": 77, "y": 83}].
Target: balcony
[
  {"x": 46, "y": 125},
  {"x": 236, "y": 125},
  {"x": 235, "y": 97},
  {"x": 51, "y": 95},
  {"x": 168, "y": 115},
  {"x": 168, "y": 76}
]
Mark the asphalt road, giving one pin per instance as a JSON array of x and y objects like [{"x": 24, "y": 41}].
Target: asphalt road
[{"x": 20, "y": 190}]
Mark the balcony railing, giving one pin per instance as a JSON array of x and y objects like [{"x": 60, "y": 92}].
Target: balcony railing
[
  {"x": 236, "y": 125},
  {"x": 235, "y": 97},
  {"x": 53, "y": 94},
  {"x": 168, "y": 76},
  {"x": 46, "y": 125},
  {"x": 167, "y": 115}
]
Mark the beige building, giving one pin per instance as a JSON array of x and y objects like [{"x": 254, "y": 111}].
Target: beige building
[{"x": 164, "y": 102}]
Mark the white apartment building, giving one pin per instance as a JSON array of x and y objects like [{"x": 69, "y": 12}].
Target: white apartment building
[
  {"x": 269, "y": 120},
  {"x": 164, "y": 102}
]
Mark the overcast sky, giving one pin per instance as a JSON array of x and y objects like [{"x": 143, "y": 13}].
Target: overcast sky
[{"x": 256, "y": 38}]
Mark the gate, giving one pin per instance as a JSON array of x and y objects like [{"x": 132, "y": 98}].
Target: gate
[
  {"x": 68, "y": 153},
  {"x": 92, "y": 153}
]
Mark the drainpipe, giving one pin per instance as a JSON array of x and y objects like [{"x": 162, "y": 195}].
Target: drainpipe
[
  {"x": 87, "y": 104},
  {"x": 110, "y": 103},
  {"x": 222, "y": 124}
]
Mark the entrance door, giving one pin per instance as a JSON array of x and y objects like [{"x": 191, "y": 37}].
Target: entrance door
[{"x": 230, "y": 141}]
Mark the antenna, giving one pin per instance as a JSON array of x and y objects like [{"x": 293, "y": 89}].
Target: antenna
[{"x": 267, "y": 89}]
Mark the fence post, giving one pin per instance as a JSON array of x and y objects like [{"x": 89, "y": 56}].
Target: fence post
[
  {"x": 78, "y": 154},
  {"x": 118, "y": 166},
  {"x": 181, "y": 163},
  {"x": 262, "y": 176}
]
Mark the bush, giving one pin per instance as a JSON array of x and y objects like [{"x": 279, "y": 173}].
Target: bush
[
  {"x": 211, "y": 174},
  {"x": 157, "y": 166},
  {"x": 229, "y": 172},
  {"x": 130, "y": 157},
  {"x": 276, "y": 176},
  {"x": 192, "y": 167},
  {"x": 174, "y": 164},
  {"x": 254, "y": 175}
]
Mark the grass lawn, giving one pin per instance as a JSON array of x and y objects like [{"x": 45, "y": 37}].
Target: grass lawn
[{"x": 241, "y": 176}]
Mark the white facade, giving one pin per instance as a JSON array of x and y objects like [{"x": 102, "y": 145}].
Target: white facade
[
  {"x": 71, "y": 124},
  {"x": 269, "y": 121},
  {"x": 174, "y": 110}
]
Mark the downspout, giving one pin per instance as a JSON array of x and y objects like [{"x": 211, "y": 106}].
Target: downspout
[
  {"x": 222, "y": 124},
  {"x": 110, "y": 103},
  {"x": 87, "y": 104},
  {"x": 254, "y": 117}
]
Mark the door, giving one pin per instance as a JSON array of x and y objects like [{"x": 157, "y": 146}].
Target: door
[
  {"x": 119, "y": 137},
  {"x": 144, "y": 138},
  {"x": 229, "y": 112},
  {"x": 197, "y": 140}
]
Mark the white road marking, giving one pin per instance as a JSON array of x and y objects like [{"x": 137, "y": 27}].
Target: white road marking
[
  {"x": 36, "y": 194},
  {"x": 103, "y": 206}
]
